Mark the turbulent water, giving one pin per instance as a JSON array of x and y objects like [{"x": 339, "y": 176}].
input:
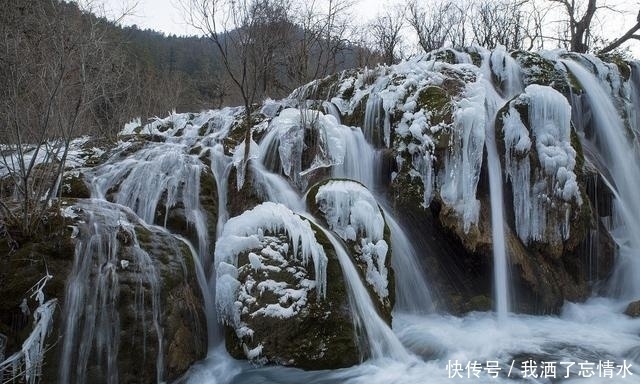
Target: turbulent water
[{"x": 593, "y": 332}]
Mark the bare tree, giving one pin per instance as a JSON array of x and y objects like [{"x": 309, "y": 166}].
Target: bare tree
[
  {"x": 322, "y": 36},
  {"x": 500, "y": 22},
  {"x": 629, "y": 35},
  {"x": 433, "y": 25},
  {"x": 578, "y": 29},
  {"x": 578, "y": 23},
  {"x": 240, "y": 31},
  {"x": 386, "y": 31},
  {"x": 57, "y": 61}
]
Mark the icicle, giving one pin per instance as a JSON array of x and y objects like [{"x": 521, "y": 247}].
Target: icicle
[
  {"x": 240, "y": 233},
  {"x": 536, "y": 196},
  {"x": 459, "y": 180},
  {"x": 240, "y": 163}
]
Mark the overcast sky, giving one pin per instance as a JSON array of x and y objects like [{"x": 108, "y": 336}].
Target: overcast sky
[{"x": 165, "y": 15}]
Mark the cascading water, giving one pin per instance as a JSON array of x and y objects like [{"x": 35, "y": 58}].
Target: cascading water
[
  {"x": 509, "y": 77},
  {"x": 221, "y": 167},
  {"x": 92, "y": 320},
  {"x": 157, "y": 174},
  {"x": 596, "y": 330},
  {"x": 413, "y": 294},
  {"x": 331, "y": 109},
  {"x": 617, "y": 149},
  {"x": 500, "y": 276},
  {"x": 359, "y": 158},
  {"x": 360, "y": 163},
  {"x": 380, "y": 339}
]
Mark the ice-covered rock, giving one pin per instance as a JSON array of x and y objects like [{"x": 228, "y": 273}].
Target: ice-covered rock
[
  {"x": 351, "y": 211},
  {"x": 279, "y": 290}
]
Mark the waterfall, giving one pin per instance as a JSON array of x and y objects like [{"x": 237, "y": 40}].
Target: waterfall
[
  {"x": 213, "y": 330},
  {"x": 500, "y": 275},
  {"x": 359, "y": 158},
  {"x": 331, "y": 109},
  {"x": 377, "y": 122},
  {"x": 412, "y": 290},
  {"x": 276, "y": 188},
  {"x": 91, "y": 317},
  {"x": 503, "y": 66},
  {"x": 159, "y": 174},
  {"x": 380, "y": 340},
  {"x": 618, "y": 153},
  {"x": 360, "y": 163}
]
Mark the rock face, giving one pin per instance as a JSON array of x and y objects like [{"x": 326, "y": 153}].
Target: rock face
[
  {"x": 431, "y": 116},
  {"x": 123, "y": 289},
  {"x": 349, "y": 210},
  {"x": 633, "y": 309},
  {"x": 281, "y": 293},
  {"x": 135, "y": 289}
]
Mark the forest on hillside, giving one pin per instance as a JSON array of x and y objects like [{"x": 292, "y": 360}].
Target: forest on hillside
[{"x": 65, "y": 70}]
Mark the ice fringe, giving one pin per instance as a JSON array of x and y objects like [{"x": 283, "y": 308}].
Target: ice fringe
[
  {"x": 351, "y": 211},
  {"x": 27, "y": 362},
  {"x": 244, "y": 233}
]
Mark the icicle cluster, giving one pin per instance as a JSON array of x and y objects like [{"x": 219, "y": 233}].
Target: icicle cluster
[
  {"x": 353, "y": 213},
  {"x": 539, "y": 196},
  {"x": 27, "y": 362},
  {"x": 246, "y": 233}
]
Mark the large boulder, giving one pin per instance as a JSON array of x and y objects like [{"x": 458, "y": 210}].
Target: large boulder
[
  {"x": 633, "y": 309},
  {"x": 281, "y": 293}
]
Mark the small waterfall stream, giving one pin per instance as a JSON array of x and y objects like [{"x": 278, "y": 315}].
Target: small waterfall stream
[
  {"x": 510, "y": 84},
  {"x": 617, "y": 149},
  {"x": 500, "y": 277},
  {"x": 92, "y": 320},
  {"x": 221, "y": 166},
  {"x": 381, "y": 342}
]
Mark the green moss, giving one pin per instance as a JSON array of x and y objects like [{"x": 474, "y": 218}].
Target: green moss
[
  {"x": 438, "y": 103},
  {"x": 75, "y": 187},
  {"x": 244, "y": 199},
  {"x": 443, "y": 55},
  {"x": 479, "y": 303},
  {"x": 542, "y": 71},
  {"x": 623, "y": 66},
  {"x": 347, "y": 94},
  {"x": 165, "y": 127},
  {"x": 356, "y": 118},
  {"x": 204, "y": 128}
]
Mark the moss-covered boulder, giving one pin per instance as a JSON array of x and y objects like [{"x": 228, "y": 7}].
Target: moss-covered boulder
[
  {"x": 551, "y": 215},
  {"x": 128, "y": 295},
  {"x": 281, "y": 293}
]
